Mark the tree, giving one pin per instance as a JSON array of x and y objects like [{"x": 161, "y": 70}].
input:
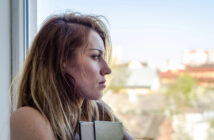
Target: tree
[
  {"x": 181, "y": 94},
  {"x": 118, "y": 78}
]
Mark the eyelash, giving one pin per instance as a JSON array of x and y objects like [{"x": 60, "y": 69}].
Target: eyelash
[{"x": 96, "y": 57}]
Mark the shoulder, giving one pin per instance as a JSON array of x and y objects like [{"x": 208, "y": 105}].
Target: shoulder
[
  {"x": 28, "y": 123},
  {"x": 105, "y": 111},
  {"x": 102, "y": 104}
]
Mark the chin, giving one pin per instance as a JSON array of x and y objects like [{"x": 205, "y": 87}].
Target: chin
[{"x": 97, "y": 96}]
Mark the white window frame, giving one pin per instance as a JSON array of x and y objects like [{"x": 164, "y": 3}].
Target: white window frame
[
  {"x": 24, "y": 28},
  {"x": 18, "y": 26}
]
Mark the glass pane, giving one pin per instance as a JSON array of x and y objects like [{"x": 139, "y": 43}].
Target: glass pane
[{"x": 162, "y": 78}]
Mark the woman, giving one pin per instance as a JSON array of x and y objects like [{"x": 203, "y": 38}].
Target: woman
[{"x": 62, "y": 80}]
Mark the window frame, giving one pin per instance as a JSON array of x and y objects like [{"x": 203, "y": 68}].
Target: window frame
[
  {"x": 18, "y": 26},
  {"x": 24, "y": 21}
]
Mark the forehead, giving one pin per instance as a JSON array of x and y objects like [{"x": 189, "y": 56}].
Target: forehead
[{"x": 95, "y": 41}]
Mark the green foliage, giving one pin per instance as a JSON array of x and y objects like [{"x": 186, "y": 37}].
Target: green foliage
[
  {"x": 210, "y": 130},
  {"x": 118, "y": 78},
  {"x": 182, "y": 92},
  {"x": 212, "y": 123}
]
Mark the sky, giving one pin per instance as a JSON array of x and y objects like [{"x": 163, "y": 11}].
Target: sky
[{"x": 146, "y": 30}]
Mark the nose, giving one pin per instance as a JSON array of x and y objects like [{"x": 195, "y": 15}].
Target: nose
[{"x": 105, "y": 69}]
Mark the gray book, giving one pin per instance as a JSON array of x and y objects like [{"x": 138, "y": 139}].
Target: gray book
[{"x": 101, "y": 130}]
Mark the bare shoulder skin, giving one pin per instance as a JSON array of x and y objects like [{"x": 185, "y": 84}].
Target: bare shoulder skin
[{"x": 27, "y": 123}]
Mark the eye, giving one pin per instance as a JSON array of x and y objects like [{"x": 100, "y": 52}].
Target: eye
[{"x": 96, "y": 57}]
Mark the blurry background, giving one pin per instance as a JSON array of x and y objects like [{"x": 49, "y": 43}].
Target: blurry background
[{"x": 162, "y": 81}]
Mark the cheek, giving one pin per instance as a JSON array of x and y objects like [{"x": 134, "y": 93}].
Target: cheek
[
  {"x": 86, "y": 76},
  {"x": 91, "y": 71},
  {"x": 85, "y": 73},
  {"x": 88, "y": 81}
]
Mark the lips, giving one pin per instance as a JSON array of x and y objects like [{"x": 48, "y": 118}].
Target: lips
[{"x": 102, "y": 82}]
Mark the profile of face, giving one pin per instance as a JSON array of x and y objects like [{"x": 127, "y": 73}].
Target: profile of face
[{"x": 89, "y": 68}]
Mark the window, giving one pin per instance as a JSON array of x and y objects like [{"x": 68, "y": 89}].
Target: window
[{"x": 164, "y": 50}]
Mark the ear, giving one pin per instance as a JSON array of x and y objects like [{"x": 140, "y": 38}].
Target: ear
[
  {"x": 64, "y": 66},
  {"x": 67, "y": 65}
]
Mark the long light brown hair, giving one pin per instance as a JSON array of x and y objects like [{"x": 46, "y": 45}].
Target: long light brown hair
[{"x": 43, "y": 84}]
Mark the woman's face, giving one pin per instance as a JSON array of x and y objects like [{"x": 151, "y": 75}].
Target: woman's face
[{"x": 89, "y": 68}]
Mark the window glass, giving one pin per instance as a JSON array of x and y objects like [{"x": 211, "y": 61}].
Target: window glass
[{"x": 162, "y": 78}]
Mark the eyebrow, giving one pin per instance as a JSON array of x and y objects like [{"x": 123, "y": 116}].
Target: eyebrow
[{"x": 100, "y": 51}]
